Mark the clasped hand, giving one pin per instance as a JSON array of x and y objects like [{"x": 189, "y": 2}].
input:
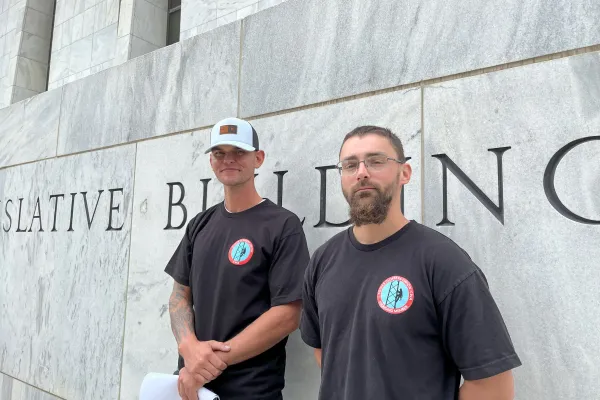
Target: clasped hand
[{"x": 202, "y": 365}]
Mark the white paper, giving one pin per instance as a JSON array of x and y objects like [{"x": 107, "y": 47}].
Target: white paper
[{"x": 164, "y": 387}]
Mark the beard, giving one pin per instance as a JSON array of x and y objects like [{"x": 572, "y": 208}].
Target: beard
[{"x": 368, "y": 207}]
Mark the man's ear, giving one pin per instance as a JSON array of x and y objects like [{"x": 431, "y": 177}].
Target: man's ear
[
  {"x": 405, "y": 173},
  {"x": 259, "y": 158}
]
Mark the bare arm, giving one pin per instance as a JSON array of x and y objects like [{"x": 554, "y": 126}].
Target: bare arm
[
  {"x": 264, "y": 333},
  {"x": 182, "y": 313},
  {"x": 499, "y": 387},
  {"x": 318, "y": 356},
  {"x": 200, "y": 359}
]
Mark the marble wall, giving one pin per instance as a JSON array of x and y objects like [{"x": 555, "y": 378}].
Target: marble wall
[
  {"x": 25, "y": 32},
  {"x": 63, "y": 278},
  {"x": 83, "y": 306},
  {"x": 84, "y": 40},
  {"x": 13, "y": 389},
  {"x": 29, "y": 129},
  {"x": 334, "y": 53},
  {"x": 199, "y": 16},
  {"x": 541, "y": 263}
]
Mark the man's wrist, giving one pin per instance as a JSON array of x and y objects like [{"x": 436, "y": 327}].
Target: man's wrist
[
  {"x": 226, "y": 356},
  {"x": 185, "y": 345}
]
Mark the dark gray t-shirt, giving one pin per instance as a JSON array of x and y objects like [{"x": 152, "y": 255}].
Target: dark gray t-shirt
[
  {"x": 238, "y": 266},
  {"x": 402, "y": 318}
]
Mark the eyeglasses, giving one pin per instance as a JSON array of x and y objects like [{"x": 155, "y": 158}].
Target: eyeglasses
[{"x": 372, "y": 163}]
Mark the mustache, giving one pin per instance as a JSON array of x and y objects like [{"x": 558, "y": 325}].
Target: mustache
[{"x": 364, "y": 184}]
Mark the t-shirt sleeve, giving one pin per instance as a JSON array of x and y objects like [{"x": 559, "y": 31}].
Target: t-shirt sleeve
[
  {"x": 290, "y": 258},
  {"x": 179, "y": 266},
  {"x": 473, "y": 330},
  {"x": 309, "y": 319}
]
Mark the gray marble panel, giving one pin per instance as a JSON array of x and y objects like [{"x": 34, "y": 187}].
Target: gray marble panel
[
  {"x": 164, "y": 4},
  {"x": 89, "y": 17},
  {"x": 5, "y": 92},
  {"x": 123, "y": 49},
  {"x": 140, "y": 47},
  {"x": 3, "y": 22},
  {"x": 91, "y": 3},
  {"x": 150, "y": 23},
  {"x": 343, "y": 47},
  {"x": 542, "y": 266},
  {"x": 100, "y": 16},
  {"x": 64, "y": 289},
  {"x": 197, "y": 12},
  {"x": 296, "y": 142},
  {"x": 28, "y": 129},
  {"x": 16, "y": 16},
  {"x": 264, "y": 4},
  {"x": 125, "y": 18},
  {"x": 2, "y": 43},
  {"x": 37, "y": 23},
  {"x": 4, "y": 63},
  {"x": 11, "y": 44},
  {"x": 59, "y": 12},
  {"x": 77, "y": 27},
  {"x": 81, "y": 55},
  {"x": 227, "y": 19},
  {"x": 112, "y": 11},
  {"x": 22, "y": 94},
  {"x": 59, "y": 64},
  {"x": 43, "y": 6},
  {"x": 96, "y": 111},
  {"x": 31, "y": 74},
  {"x": 34, "y": 47},
  {"x": 173, "y": 89},
  {"x": 13, "y": 389},
  {"x": 66, "y": 37},
  {"x": 225, "y": 7},
  {"x": 248, "y": 10},
  {"x": 104, "y": 45},
  {"x": 181, "y": 87}
]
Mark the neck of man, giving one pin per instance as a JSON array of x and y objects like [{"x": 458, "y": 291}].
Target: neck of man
[
  {"x": 242, "y": 197},
  {"x": 374, "y": 233}
]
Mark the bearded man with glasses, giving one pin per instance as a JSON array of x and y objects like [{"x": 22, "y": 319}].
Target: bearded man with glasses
[{"x": 394, "y": 309}]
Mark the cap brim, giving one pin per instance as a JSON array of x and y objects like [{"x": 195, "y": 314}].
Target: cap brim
[{"x": 243, "y": 146}]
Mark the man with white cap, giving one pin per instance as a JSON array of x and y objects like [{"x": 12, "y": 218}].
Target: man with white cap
[{"x": 238, "y": 280}]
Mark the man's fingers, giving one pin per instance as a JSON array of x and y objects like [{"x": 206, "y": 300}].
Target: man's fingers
[
  {"x": 181, "y": 390},
  {"x": 217, "y": 362},
  {"x": 204, "y": 376},
  {"x": 191, "y": 392},
  {"x": 213, "y": 371},
  {"x": 218, "y": 346}
]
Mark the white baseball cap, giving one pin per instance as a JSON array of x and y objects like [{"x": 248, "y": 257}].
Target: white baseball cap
[{"x": 234, "y": 132}]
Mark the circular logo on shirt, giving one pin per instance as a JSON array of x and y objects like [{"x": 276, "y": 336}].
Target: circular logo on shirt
[
  {"x": 241, "y": 252},
  {"x": 395, "y": 295}
]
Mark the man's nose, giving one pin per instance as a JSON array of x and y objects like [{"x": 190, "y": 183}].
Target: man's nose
[
  {"x": 229, "y": 157},
  {"x": 362, "y": 172}
]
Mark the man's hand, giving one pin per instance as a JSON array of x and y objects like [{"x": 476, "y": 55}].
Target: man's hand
[
  {"x": 188, "y": 386},
  {"x": 200, "y": 359}
]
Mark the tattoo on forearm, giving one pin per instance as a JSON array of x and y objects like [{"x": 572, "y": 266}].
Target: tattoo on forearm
[{"x": 182, "y": 314}]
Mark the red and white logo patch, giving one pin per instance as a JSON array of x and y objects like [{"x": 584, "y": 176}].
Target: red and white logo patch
[
  {"x": 395, "y": 295},
  {"x": 241, "y": 252}
]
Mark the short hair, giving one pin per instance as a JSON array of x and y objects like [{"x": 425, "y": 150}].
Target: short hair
[{"x": 362, "y": 131}]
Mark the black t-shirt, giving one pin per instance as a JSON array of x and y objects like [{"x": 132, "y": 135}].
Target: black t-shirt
[
  {"x": 402, "y": 318},
  {"x": 238, "y": 265}
]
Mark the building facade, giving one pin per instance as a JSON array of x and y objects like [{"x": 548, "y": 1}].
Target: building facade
[{"x": 105, "y": 109}]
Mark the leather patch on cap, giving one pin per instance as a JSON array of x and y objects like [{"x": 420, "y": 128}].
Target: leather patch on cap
[{"x": 228, "y": 130}]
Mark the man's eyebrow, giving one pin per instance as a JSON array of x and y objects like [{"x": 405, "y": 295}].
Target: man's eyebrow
[{"x": 353, "y": 157}]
